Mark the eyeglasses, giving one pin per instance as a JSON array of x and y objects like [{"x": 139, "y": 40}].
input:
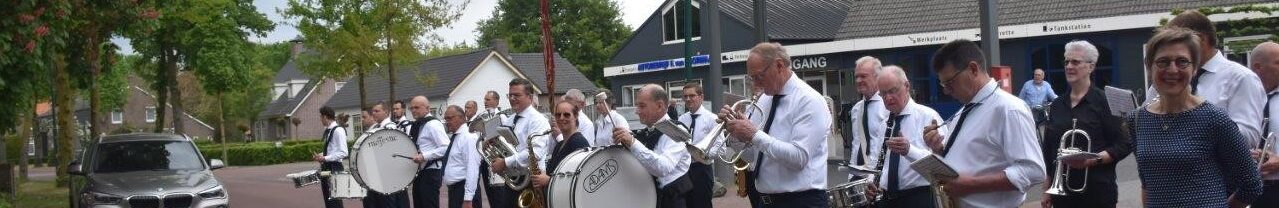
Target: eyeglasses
[
  {"x": 563, "y": 115},
  {"x": 760, "y": 75},
  {"x": 1164, "y": 63},
  {"x": 1076, "y": 62},
  {"x": 691, "y": 96},
  {"x": 947, "y": 82}
]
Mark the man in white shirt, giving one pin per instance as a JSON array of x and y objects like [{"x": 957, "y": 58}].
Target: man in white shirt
[
  {"x": 1222, "y": 82},
  {"x": 432, "y": 143},
  {"x": 699, "y": 121},
  {"x": 334, "y": 151},
  {"x": 788, "y": 144},
  {"x": 583, "y": 122},
  {"x": 462, "y": 163},
  {"x": 397, "y": 114},
  {"x": 868, "y": 115},
  {"x": 661, "y": 156},
  {"x": 992, "y": 143},
  {"x": 901, "y": 185},
  {"x": 379, "y": 115},
  {"x": 472, "y": 110},
  {"x": 495, "y": 186},
  {"x": 525, "y": 122},
  {"x": 607, "y": 121},
  {"x": 1264, "y": 61}
]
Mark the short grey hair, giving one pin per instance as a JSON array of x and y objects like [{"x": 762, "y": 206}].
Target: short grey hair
[
  {"x": 879, "y": 66},
  {"x": 1090, "y": 51},
  {"x": 657, "y": 93},
  {"x": 896, "y": 71},
  {"x": 770, "y": 51},
  {"x": 574, "y": 95}
]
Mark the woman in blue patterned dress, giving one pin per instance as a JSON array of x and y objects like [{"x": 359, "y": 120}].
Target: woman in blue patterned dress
[{"x": 1189, "y": 153}]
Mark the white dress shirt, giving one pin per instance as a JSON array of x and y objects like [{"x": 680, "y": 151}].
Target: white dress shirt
[
  {"x": 998, "y": 136},
  {"x": 916, "y": 117},
  {"x": 583, "y": 123},
  {"x": 463, "y": 162},
  {"x": 878, "y": 118},
  {"x": 432, "y": 141},
  {"x": 667, "y": 161},
  {"x": 705, "y": 121},
  {"x": 1273, "y": 125},
  {"x": 386, "y": 124},
  {"x": 604, "y": 128},
  {"x": 336, "y": 149},
  {"x": 1234, "y": 88},
  {"x": 530, "y": 122},
  {"x": 794, "y": 151}
]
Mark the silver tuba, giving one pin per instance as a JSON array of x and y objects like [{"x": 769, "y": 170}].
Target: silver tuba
[
  {"x": 499, "y": 145},
  {"x": 1062, "y": 181}
]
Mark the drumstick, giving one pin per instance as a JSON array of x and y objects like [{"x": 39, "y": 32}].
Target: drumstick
[{"x": 402, "y": 156}]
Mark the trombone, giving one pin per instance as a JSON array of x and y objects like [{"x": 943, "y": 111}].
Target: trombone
[{"x": 1062, "y": 182}]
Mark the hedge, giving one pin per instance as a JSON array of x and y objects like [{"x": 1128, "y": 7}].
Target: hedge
[{"x": 264, "y": 153}]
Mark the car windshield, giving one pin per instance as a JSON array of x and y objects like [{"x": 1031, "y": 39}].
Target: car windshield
[{"x": 146, "y": 156}]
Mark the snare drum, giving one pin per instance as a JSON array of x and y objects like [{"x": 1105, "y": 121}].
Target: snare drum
[
  {"x": 601, "y": 177},
  {"x": 345, "y": 187},
  {"x": 383, "y": 161},
  {"x": 850, "y": 195}
]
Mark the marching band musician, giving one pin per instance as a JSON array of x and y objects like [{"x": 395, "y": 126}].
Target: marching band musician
[
  {"x": 432, "y": 145},
  {"x": 571, "y": 140},
  {"x": 494, "y": 187},
  {"x": 661, "y": 156},
  {"x": 374, "y": 199},
  {"x": 462, "y": 162},
  {"x": 700, "y": 122},
  {"x": 901, "y": 185},
  {"x": 790, "y": 166},
  {"x": 491, "y": 101},
  {"x": 1265, "y": 63},
  {"x": 1086, "y": 109},
  {"x": 997, "y": 156},
  {"x": 575, "y": 97},
  {"x": 335, "y": 150},
  {"x": 397, "y": 115},
  {"x": 524, "y": 123},
  {"x": 472, "y": 111},
  {"x": 868, "y": 115},
  {"x": 607, "y": 121}
]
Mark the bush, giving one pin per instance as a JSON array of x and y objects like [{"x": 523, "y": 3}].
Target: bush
[{"x": 263, "y": 153}]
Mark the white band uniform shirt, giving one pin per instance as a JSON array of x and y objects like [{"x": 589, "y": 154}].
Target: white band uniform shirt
[
  {"x": 705, "y": 121},
  {"x": 1234, "y": 88},
  {"x": 668, "y": 160},
  {"x": 915, "y": 118},
  {"x": 583, "y": 125},
  {"x": 998, "y": 136},
  {"x": 463, "y": 162},
  {"x": 432, "y": 142},
  {"x": 336, "y": 149},
  {"x": 525, "y": 123},
  {"x": 794, "y": 150},
  {"x": 873, "y": 126},
  {"x": 604, "y": 128},
  {"x": 1272, "y": 109}
]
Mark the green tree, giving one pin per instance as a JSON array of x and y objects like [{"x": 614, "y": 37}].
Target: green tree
[
  {"x": 1241, "y": 27},
  {"x": 441, "y": 50},
  {"x": 586, "y": 32}
]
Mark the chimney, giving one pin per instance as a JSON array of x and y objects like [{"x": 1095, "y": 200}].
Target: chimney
[
  {"x": 297, "y": 47},
  {"x": 501, "y": 47}
]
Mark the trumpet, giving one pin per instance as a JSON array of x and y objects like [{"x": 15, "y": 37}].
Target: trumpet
[
  {"x": 700, "y": 151},
  {"x": 1062, "y": 182},
  {"x": 530, "y": 197}
]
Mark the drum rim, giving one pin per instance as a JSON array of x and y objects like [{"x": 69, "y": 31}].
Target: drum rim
[
  {"x": 355, "y": 167},
  {"x": 589, "y": 151}
]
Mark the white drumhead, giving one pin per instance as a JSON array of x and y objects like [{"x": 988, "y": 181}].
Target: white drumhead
[
  {"x": 383, "y": 161},
  {"x": 603, "y": 177}
]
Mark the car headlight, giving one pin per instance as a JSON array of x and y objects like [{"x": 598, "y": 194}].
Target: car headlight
[
  {"x": 100, "y": 198},
  {"x": 213, "y": 193}
]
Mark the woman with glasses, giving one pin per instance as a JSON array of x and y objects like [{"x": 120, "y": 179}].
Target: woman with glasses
[
  {"x": 570, "y": 139},
  {"x": 1188, "y": 151}
]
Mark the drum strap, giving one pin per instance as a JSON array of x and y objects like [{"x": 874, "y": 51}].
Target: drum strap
[{"x": 416, "y": 129}]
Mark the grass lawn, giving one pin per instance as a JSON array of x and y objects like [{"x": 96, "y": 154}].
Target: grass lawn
[{"x": 38, "y": 194}]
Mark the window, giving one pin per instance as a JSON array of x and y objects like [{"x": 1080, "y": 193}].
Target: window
[
  {"x": 817, "y": 83},
  {"x": 338, "y": 86},
  {"x": 279, "y": 89},
  {"x": 673, "y": 20},
  {"x": 150, "y": 114},
  {"x": 628, "y": 95},
  {"x": 120, "y": 157},
  {"x": 736, "y": 85},
  {"x": 117, "y": 117}
]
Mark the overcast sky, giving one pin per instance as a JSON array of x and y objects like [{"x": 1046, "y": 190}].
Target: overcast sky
[{"x": 634, "y": 12}]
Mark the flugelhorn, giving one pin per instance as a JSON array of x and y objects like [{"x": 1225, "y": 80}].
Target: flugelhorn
[{"x": 1062, "y": 181}]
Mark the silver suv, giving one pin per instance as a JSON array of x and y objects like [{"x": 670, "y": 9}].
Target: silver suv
[{"x": 145, "y": 170}]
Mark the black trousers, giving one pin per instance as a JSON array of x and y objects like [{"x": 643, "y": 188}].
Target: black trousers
[
  {"x": 912, "y": 197},
  {"x": 499, "y": 196},
  {"x": 426, "y": 188},
  {"x": 457, "y": 191},
  {"x": 673, "y": 195},
  {"x": 1097, "y": 195},
  {"x": 752, "y": 194},
  {"x": 325, "y": 187},
  {"x": 703, "y": 183},
  {"x": 1269, "y": 198},
  {"x": 810, "y": 198},
  {"x": 396, "y": 200}
]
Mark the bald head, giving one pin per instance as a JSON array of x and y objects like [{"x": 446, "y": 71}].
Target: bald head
[
  {"x": 1264, "y": 61},
  {"x": 420, "y": 106},
  {"x": 651, "y": 103}
]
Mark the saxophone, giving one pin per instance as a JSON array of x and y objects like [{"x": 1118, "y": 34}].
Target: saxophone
[{"x": 531, "y": 197}]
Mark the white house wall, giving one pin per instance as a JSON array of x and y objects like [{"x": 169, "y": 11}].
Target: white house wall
[{"x": 492, "y": 74}]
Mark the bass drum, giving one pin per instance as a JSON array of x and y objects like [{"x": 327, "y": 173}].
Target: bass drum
[
  {"x": 601, "y": 177},
  {"x": 383, "y": 161}
]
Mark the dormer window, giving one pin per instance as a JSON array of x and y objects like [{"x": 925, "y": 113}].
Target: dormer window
[{"x": 674, "y": 18}]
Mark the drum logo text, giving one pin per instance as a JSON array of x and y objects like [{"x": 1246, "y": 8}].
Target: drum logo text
[{"x": 601, "y": 175}]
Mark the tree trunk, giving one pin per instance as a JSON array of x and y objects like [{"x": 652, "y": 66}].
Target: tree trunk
[
  {"x": 222, "y": 128},
  {"x": 390, "y": 65},
  {"x": 66, "y": 125},
  {"x": 178, "y": 113},
  {"x": 161, "y": 89},
  {"x": 363, "y": 101},
  {"x": 95, "y": 98},
  {"x": 26, "y": 131}
]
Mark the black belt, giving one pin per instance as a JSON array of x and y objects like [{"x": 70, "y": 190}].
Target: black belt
[
  {"x": 908, "y": 192},
  {"x": 1270, "y": 183},
  {"x": 769, "y": 198}
]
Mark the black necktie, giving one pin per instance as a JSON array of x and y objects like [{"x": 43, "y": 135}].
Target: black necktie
[
  {"x": 895, "y": 122},
  {"x": 692, "y": 123},
  {"x": 954, "y": 134},
  {"x": 452, "y": 140},
  {"x": 768, "y": 125},
  {"x": 865, "y": 131},
  {"x": 516, "y": 121},
  {"x": 1194, "y": 83}
]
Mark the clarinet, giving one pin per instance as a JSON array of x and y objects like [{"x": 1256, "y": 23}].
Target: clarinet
[{"x": 879, "y": 165}]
